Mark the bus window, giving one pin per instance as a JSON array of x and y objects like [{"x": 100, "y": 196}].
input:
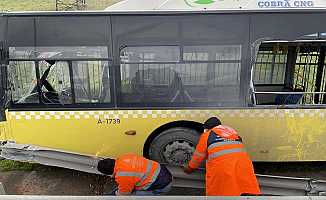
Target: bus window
[
  {"x": 66, "y": 75},
  {"x": 91, "y": 81},
  {"x": 57, "y": 87},
  {"x": 204, "y": 74},
  {"x": 215, "y": 70},
  {"x": 147, "y": 74},
  {"x": 23, "y": 79},
  {"x": 150, "y": 54},
  {"x": 290, "y": 74}
]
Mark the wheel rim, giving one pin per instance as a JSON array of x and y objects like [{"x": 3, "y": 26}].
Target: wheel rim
[{"x": 178, "y": 152}]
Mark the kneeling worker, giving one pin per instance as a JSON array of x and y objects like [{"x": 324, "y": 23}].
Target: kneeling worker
[
  {"x": 229, "y": 170},
  {"x": 136, "y": 175}
]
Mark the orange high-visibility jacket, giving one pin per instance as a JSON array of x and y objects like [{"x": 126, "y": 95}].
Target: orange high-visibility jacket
[
  {"x": 229, "y": 170},
  {"x": 134, "y": 172}
]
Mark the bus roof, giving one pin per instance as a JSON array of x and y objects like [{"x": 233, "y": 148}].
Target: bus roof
[
  {"x": 172, "y": 7},
  {"x": 161, "y": 12},
  {"x": 175, "y": 7}
]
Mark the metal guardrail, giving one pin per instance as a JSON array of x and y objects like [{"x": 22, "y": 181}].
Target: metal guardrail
[{"x": 270, "y": 185}]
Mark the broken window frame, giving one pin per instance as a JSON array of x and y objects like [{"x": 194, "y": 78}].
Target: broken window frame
[
  {"x": 252, "y": 89},
  {"x": 70, "y": 62}
]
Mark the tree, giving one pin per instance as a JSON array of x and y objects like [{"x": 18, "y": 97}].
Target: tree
[{"x": 70, "y": 4}]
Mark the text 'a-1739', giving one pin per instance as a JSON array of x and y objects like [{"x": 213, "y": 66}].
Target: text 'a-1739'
[{"x": 108, "y": 121}]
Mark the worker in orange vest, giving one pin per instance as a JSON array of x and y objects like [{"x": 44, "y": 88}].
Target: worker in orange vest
[
  {"x": 136, "y": 175},
  {"x": 229, "y": 170}
]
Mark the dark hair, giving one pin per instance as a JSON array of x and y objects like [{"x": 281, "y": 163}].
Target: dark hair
[
  {"x": 212, "y": 122},
  {"x": 106, "y": 166}
]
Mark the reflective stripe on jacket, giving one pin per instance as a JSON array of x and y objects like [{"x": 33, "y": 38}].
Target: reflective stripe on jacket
[
  {"x": 134, "y": 172},
  {"x": 219, "y": 141},
  {"x": 229, "y": 170}
]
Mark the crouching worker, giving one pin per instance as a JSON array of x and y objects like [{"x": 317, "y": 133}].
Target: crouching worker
[
  {"x": 229, "y": 170},
  {"x": 136, "y": 175}
]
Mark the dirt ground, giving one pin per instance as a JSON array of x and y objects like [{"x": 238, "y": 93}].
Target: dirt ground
[
  {"x": 46, "y": 180},
  {"x": 53, "y": 181}
]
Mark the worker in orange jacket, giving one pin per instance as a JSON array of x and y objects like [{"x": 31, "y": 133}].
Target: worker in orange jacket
[
  {"x": 229, "y": 170},
  {"x": 136, "y": 175}
]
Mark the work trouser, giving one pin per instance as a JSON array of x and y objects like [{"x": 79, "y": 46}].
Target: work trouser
[
  {"x": 161, "y": 185},
  {"x": 154, "y": 192}
]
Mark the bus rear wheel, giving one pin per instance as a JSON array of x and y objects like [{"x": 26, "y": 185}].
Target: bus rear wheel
[{"x": 174, "y": 146}]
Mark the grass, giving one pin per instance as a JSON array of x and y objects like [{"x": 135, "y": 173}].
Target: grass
[
  {"x": 10, "y": 165},
  {"x": 48, "y": 5}
]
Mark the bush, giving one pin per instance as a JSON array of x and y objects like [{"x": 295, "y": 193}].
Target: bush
[{"x": 10, "y": 165}]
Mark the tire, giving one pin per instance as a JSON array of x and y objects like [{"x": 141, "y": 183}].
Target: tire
[{"x": 174, "y": 146}]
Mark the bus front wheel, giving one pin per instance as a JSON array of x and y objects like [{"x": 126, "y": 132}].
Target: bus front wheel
[{"x": 174, "y": 146}]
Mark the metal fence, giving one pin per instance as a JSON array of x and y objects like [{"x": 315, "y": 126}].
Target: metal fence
[
  {"x": 296, "y": 67},
  {"x": 305, "y": 73},
  {"x": 270, "y": 67}
]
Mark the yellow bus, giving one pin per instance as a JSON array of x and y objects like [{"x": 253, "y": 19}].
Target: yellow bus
[{"x": 100, "y": 84}]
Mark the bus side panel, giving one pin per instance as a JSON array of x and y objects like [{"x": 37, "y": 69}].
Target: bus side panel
[
  {"x": 97, "y": 133},
  {"x": 3, "y": 134},
  {"x": 268, "y": 134},
  {"x": 5, "y": 131},
  {"x": 302, "y": 129},
  {"x": 282, "y": 134}
]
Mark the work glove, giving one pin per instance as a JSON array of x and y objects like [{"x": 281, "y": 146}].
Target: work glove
[{"x": 187, "y": 169}]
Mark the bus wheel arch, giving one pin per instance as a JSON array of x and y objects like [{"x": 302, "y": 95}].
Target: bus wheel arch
[{"x": 178, "y": 138}]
